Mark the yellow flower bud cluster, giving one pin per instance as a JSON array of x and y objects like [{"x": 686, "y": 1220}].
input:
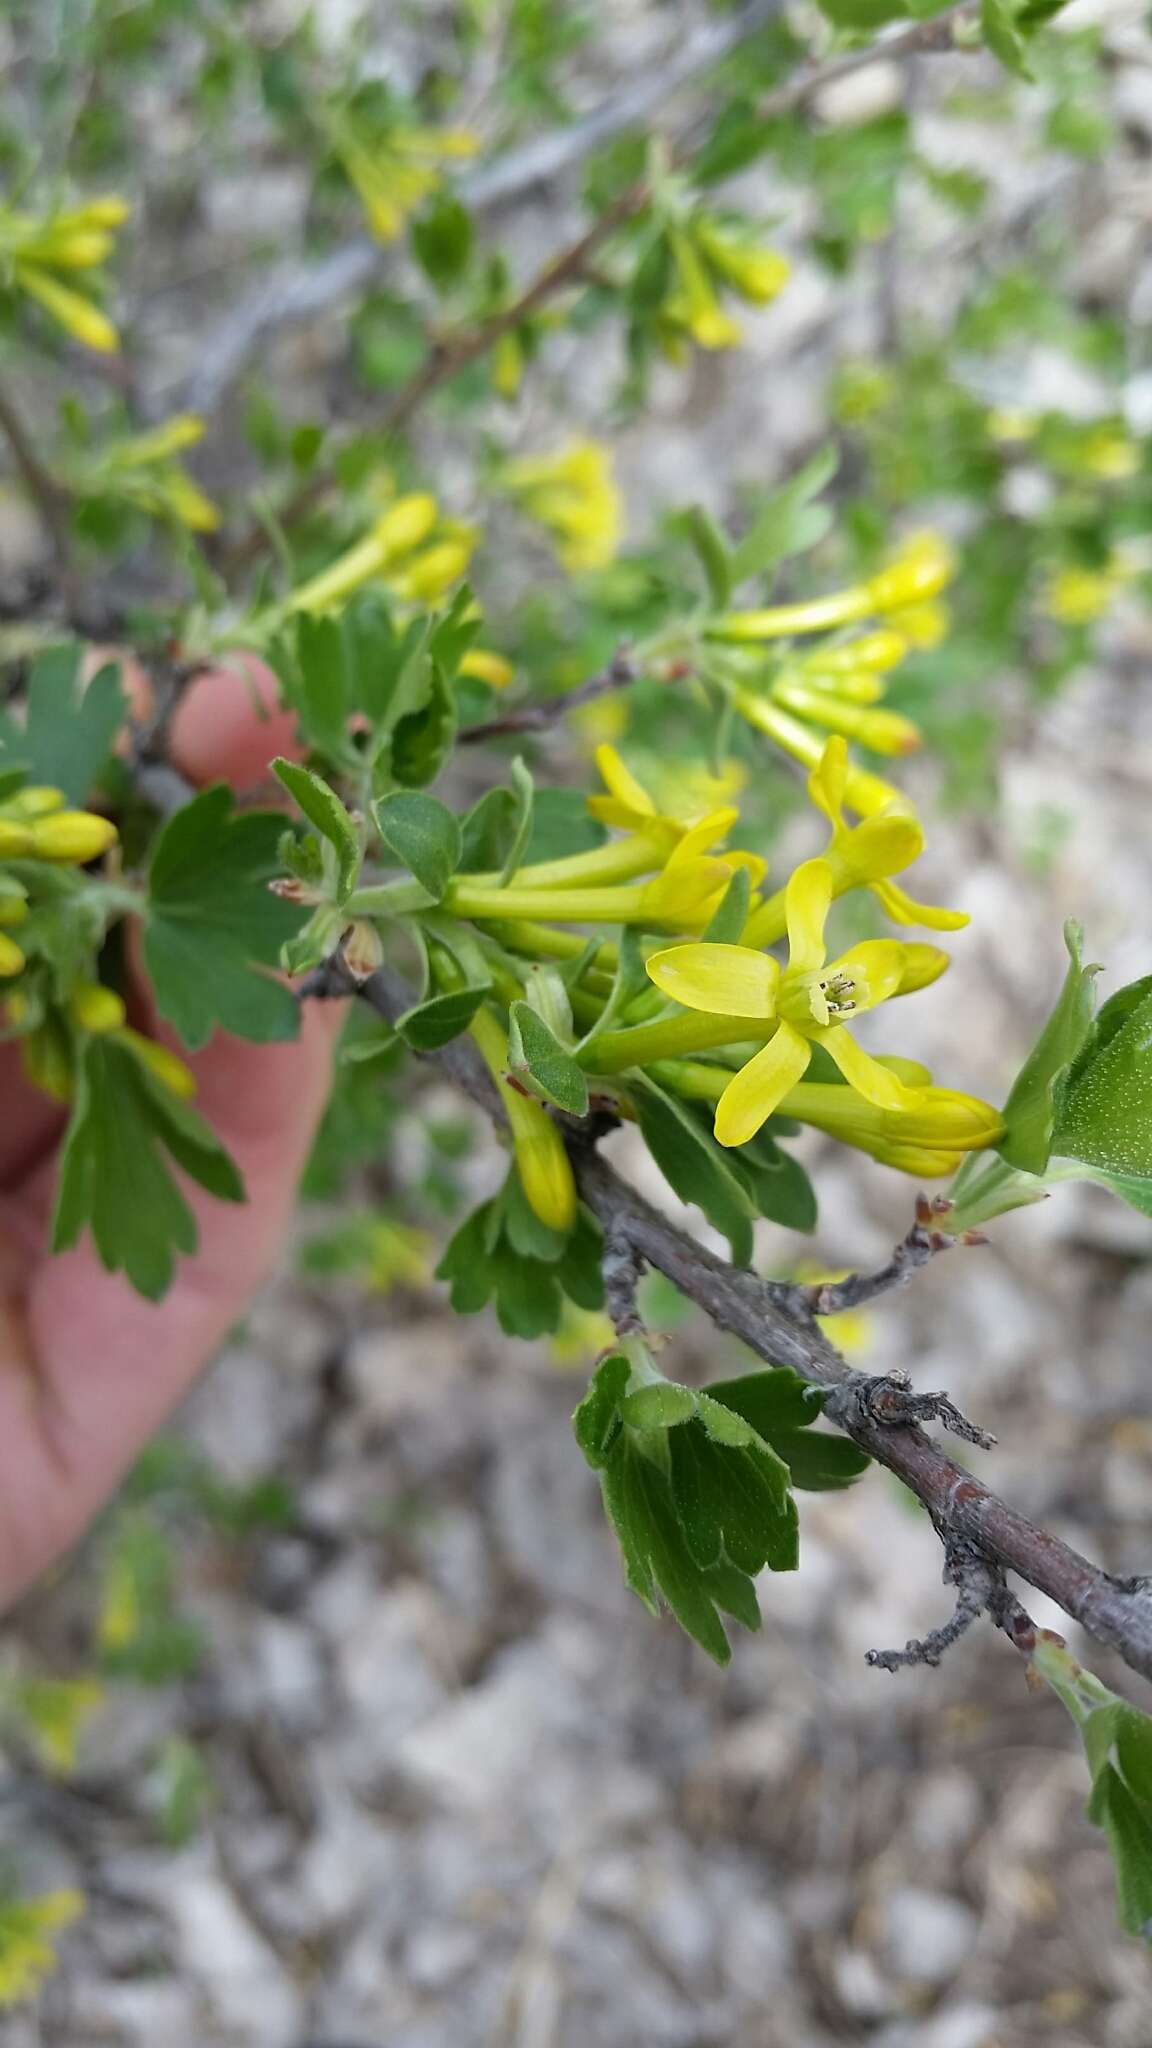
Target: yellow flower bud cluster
[
  {"x": 710, "y": 259},
  {"x": 574, "y": 494},
  {"x": 411, "y": 550},
  {"x": 36, "y": 826},
  {"x": 142, "y": 470},
  {"x": 725, "y": 1020},
  {"x": 52, "y": 1034},
  {"x": 41, "y": 254},
  {"x": 807, "y": 691},
  {"x": 394, "y": 173}
]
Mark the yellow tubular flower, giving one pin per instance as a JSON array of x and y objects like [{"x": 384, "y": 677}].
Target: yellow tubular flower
[
  {"x": 70, "y": 309},
  {"x": 537, "y": 1145},
  {"x": 573, "y": 493},
  {"x": 682, "y": 898},
  {"x": 33, "y": 802},
  {"x": 394, "y": 175},
  {"x": 485, "y": 666},
  {"x": 358, "y": 565},
  {"x": 860, "y": 856},
  {"x": 12, "y": 960},
  {"x": 71, "y": 837},
  {"x": 430, "y": 574},
  {"x": 96, "y": 1008},
  {"x": 886, "y": 732},
  {"x": 863, "y": 791},
  {"x": 695, "y": 307},
  {"x": 757, "y": 274},
  {"x": 921, "y": 570},
  {"x": 808, "y": 999},
  {"x": 166, "y": 1066}
]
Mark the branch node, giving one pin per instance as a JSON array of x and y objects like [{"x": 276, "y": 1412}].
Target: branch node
[{"x": 623, "y": 1270}]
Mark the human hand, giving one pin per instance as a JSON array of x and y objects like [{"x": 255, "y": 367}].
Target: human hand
[{"x": 88, "y": 1369}]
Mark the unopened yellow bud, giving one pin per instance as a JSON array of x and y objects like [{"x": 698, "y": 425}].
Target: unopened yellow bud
[
  {"x": 922, "y": 625},
  {"x": 108, "y": 211},
  {"x": 165, "y": 1065},
  {"x": 406, "y": 523},
  {"x": 921, "y": 570},
  {"x": 486, "y": 667},
  {"x": 11, "y": 958},
  {"x": 71, "y": 836},
  {"x": 435, "y": 571},
  {"x": 78, "y": 250},
  {"x": 35, "y": 802},
  {"x": 757, "y": 274},
  {"x": 545, "y": 1170},
  {"x": 46, "y": 1055},
  {"x": 74, "y": 313},
  {"x": 15, "y": 840},
  {"x": 537, "y": 1145},
  {"x": 95, "y": 1008},
  {"x": 874, "y": 652}
]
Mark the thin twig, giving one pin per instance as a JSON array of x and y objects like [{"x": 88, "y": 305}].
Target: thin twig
[
  {"x": 922, "y": 1243},
  {"x": 618, "y": 673},
  {"x": 451, "y": 354},
  {"x": 48, "y": 496},
  {"x": 293, "y": 294},
  {"x": 776, "y": 1323}
]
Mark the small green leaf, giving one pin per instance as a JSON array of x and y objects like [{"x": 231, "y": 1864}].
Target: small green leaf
[
  {"x": 114, "y": 1179},
  {"x": 439, "y": 1019},
  {"x": 596, "y": 1420},
  {"x": 712, "y": 552},
  {"x": 423, "y": 834},
  {"x": 465, "y": 1264},
  {"x": 731, "y": 915},
  {"x": 1033, "y": 1105},
  {"x": 213, "y": 924},
  {"x": 422, "y": 738},
  {"x": 561, "y": 824},
  {"x": 786, "y": 523},
  {"x": 1104, "y": 1115},
  {"x": 534, "y": 1049},
  {"x": 1002, "y": 35},
  {"x": 68, "y": 733},
  {"x": 660, "y": 1406},
  {"x": 694, "y": 1166},
  {"x": 323, "y": 808},
  {"x": 442, "y": 240}
]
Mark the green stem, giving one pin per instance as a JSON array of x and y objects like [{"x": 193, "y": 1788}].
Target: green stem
[{"x": 620, "y": 861}]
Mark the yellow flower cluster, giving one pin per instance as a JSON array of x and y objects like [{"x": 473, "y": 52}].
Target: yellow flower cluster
[
  {"x": 761, "y": 1018},
  {"x": 574, "y": 494},
  {"x": 710, "y": 259},
  {"x": 36, "y": 826},
  {"x": 801, "y": 696},
  {"x": 41, "y": 255},
  {"x": 142, "y": 470},
  {"x": 417, "y": 555},
  {"x": 26, "y": 1929},
  {"x": 394, "y": 174}
]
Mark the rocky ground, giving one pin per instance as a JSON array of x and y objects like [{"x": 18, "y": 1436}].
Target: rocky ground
[{"x": 466, "y": 1792}]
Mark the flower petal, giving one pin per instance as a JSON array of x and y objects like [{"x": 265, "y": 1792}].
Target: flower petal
[
  {"x": 877, "y": 967},
  {"x": 724, "y": 981},
  {"x": 760, "y": 1087},
  {"x": 707, "y": 832},
  {"x": 882, "y": 846},
  {"x": 827, "y": 781},
  {"x": 622, "y": 783},
  {"x": 904, "y": 909},
  {"x": 806, "y": 902},
  {"x": 862, "y": 1072}
]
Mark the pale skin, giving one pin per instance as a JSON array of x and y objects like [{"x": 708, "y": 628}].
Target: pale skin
[{"x": 88, "y": 1370}]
